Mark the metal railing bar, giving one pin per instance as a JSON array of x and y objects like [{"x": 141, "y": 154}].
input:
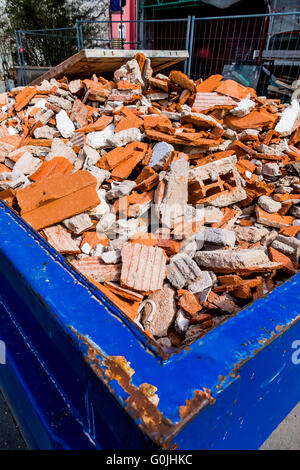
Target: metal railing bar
[
  {"x": 133, "y": 21},
  {"x": 260, "y": 15}
]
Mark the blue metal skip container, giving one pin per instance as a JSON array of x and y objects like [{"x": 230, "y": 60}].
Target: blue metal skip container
[{"x": 78, "y": 375}]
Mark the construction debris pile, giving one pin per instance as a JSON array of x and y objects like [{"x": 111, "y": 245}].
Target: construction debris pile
[{"x": 179, "y": 200}]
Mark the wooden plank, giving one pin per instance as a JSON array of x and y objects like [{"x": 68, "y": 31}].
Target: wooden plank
[{"x": 101, "y": 61}]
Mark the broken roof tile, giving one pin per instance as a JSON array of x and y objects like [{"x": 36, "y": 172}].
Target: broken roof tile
[
  {"x": 57, "y": 197},
  {"x": 61, "y": 239},
  {"x": 143, "y": 267}
]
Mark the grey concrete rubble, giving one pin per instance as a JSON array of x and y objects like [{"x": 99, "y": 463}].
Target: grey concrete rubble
[
  {"x": 60, "y": 149},
  {"x": 120, "y": 189},
  {"x": 182, "y": 270},
  {"x": 271, "y": 170},
  {"x": 26, "y": 165},
  {"x": 268, "y": 204},
  {"x": 45, "y": 132},
  {"x": 160, "y": 154},
  {"x": 234, "y": 259},
  {"x": 130, "y": 72},
  {"x": 214, "y": 169},
  {"x": 176, "y": 194},
  {"x": 213, "y": 215},
  {"x": 159, "y": 314},
  {"x": 250, "y": 234},
  {"x": 202, "y": 286},
  {"x": 62, "y": 103},
  {"x": 219, "y": 236},
  {"x": 78, "y": 223},
  {"x": 287, "y": 245}
]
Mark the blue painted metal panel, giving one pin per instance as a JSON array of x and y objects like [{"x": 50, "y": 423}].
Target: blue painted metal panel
[{"x": 75, "y": 365}]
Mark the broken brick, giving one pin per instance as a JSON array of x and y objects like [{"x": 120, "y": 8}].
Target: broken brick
[{"x": 189, "y": 302}]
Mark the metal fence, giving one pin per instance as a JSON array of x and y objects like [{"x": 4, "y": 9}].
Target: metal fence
[
  {"x": 243, "y": 48},
  {"x": 47, "y": 48},
  {"x": 44, "y": 49},
  {"x": 172, "y": 34},
  {"x": 239, "y": 47}
]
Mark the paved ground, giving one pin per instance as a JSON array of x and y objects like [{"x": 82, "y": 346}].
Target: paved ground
[
  {"x": 285, "y": 437},
  {"x": 10, "y": 437}
]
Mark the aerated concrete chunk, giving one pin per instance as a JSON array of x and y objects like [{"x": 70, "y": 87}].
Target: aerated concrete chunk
[
  {"x": 182, "y": 270},
  {"x": 158, "y": 320},
  {"x": 102, "y": 208},
  {"x": 98, "y": 139},
  {"x": 223, "y": 260},
  {"x": 243, "y": 108},
  {"x": 111, "y": 257},
  {"x": 106, "y": 222},
  {"x": 64, "y": 124},
  {"x": 288, "y": 119},
  {"x": 98, "y": 250},
  {"x": 125, "y": 137},
  {"x": 126, "y": 228}
]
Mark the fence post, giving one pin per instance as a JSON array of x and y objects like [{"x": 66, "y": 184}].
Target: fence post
[
  {"x": 81, "y": 36},
  {"x": 77, "y": 26},
  {"x": 140, "y": 25},
  {"x": 21, "y": 58},
  {"x": 191, "y": 45},
  {"x": 187, "y": 40}
]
